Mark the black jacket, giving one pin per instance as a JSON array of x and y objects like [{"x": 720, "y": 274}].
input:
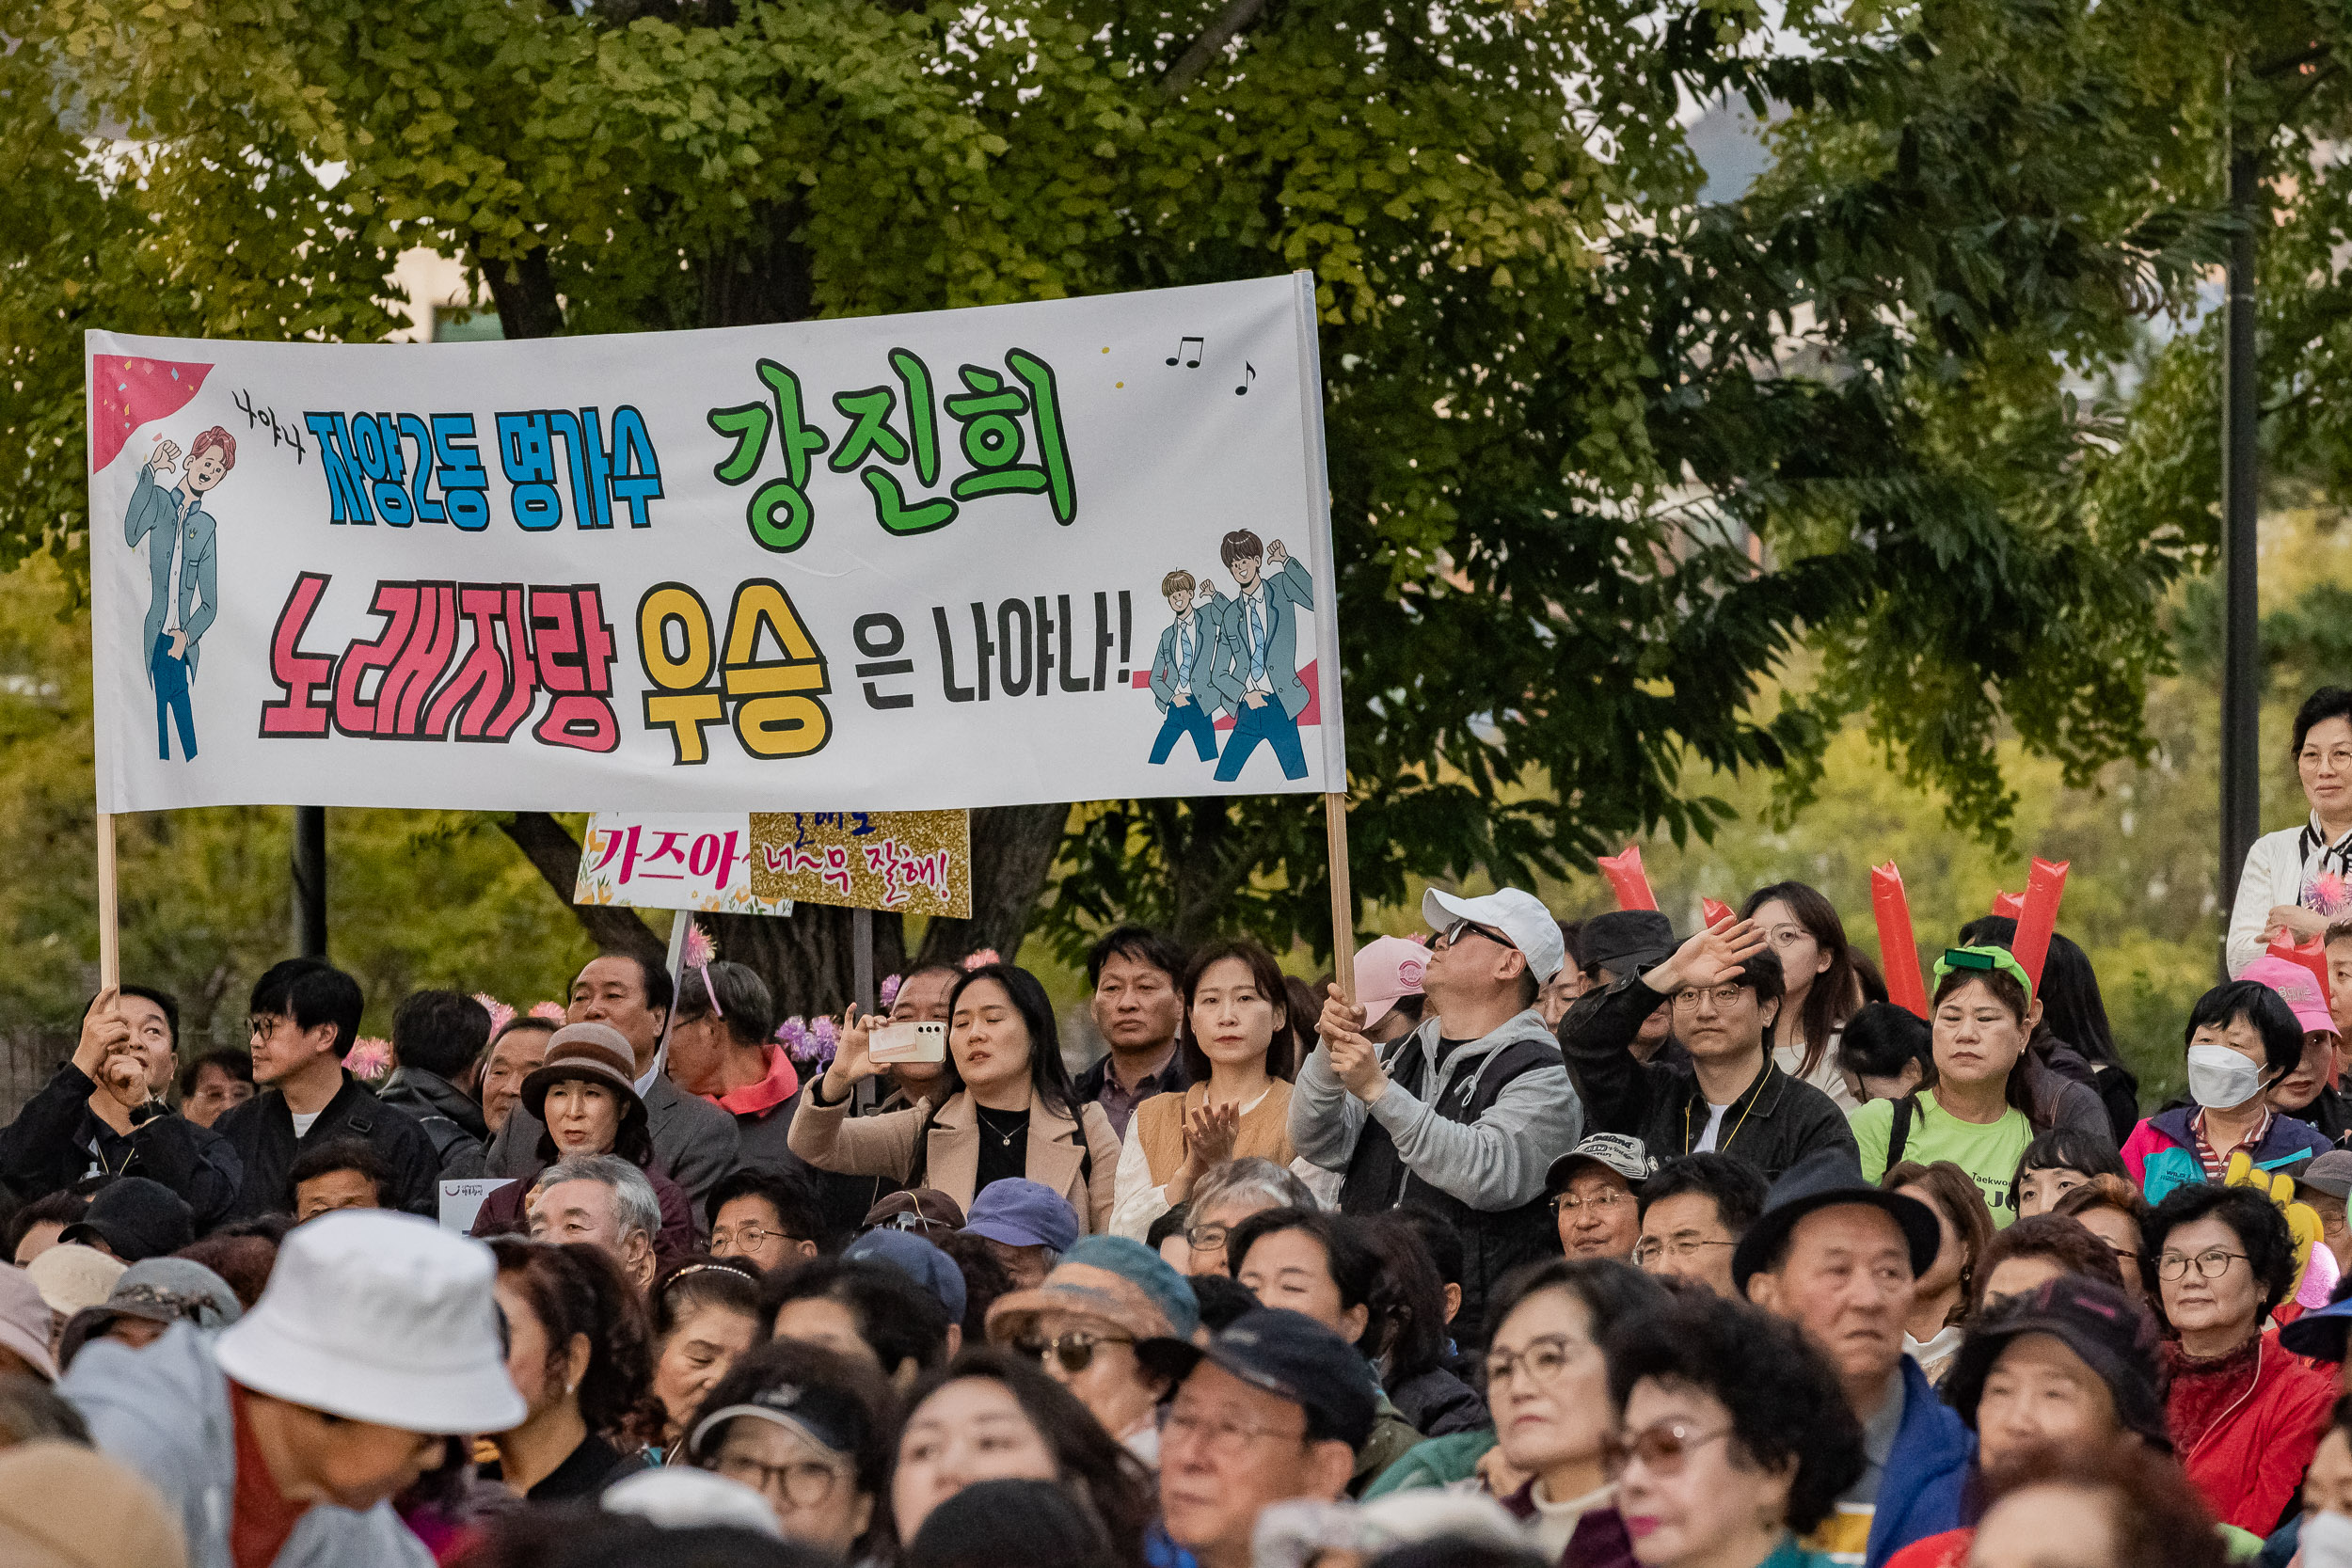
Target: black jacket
[
  {"x": 57, "y": 1140},
  {"x": 461, "y": 1139},
  {"x": 261, "y": 1131},
  {"x": 1774, "y": 1123}
]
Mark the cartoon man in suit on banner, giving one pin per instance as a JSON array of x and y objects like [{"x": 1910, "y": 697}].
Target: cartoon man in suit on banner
[
  {"x": 178, "y": 528},
  {"x": 1256, "y": 672},
  {"x": 1180, "y": 669}
]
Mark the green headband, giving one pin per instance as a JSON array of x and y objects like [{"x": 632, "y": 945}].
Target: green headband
[{"x": 1984, "y": 960}]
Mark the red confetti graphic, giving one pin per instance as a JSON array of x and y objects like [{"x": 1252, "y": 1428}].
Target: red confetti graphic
[{"x": 126, "y": 394}]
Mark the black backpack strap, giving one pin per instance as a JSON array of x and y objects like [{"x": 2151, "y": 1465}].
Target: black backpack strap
[{"x": 1899, "y": 1133}]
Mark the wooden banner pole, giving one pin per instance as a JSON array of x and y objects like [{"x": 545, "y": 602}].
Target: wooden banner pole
[
  {"x": 1342, "y": 896},
  {"x": 109, "y": 917}
]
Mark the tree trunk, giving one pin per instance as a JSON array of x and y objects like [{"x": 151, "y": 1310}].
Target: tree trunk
[
  {"x": 555, "y": 853},
  {"x": 523, "y": 289}
]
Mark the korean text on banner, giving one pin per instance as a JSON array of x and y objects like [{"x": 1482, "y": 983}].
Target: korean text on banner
[
  {"x": 760, "y": 863},
  {"x": 1075, "y": 549},
  {"x": 671, "y": 860}
]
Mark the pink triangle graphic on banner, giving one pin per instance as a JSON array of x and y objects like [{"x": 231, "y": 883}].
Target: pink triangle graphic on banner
[{"x": 126, "y": 394}]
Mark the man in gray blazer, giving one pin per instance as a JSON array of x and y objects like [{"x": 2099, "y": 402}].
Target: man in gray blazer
[
  {"x": 1180, "y": 671},
  {"x": 1256, "y": 668},
  {"x": 695, "y": 1141}
]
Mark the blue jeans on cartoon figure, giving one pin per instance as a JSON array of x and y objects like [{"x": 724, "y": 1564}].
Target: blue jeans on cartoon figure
[
  {"x": 171, "y": 700},
  {"x": 1186, "y": 718},
  {"x": 1268, "y": 721}
]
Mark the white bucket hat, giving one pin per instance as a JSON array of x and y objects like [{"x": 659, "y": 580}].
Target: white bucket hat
[
  {"x": 1520, "y": 916},
  {"x": 383, "y": 1317}
]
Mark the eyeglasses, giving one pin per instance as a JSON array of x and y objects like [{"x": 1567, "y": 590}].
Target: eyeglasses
[
  {"x": 1684, "y": 1248},
  {"x": 1229, "y": 1439},
  {"x": 1074, "y": 1350},
  {"x": 2210, "y": 1265},
  {"x": 1207, "y": 1238},
  {"x": 1452, "y": 934},
  {"x": 746, "y": 1238},
  {"x": 261, "y": 1025},
  {"x": 804, "y": 1483},
  {"x": 1545, "y": 1358},
  {"x": 1786, "y": 936},
  {"x": 1663, "y": 1448},
  {"x": 1724, "y": 996},
  {"x": 1569, "y": 1203}
]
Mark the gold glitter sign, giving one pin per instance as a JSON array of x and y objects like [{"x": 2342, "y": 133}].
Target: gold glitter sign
[{"x": 910, "y": 862}]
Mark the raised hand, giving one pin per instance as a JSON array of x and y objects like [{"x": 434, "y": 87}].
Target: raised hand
[
  {"x": 852, "y": 1060},
  {"x": 1209, "y": 1136},
  {"x": 1708, "y": 959},
  {"x": 1275, "y": 556},
  {"x": 104, "y": 1031},
  {"x": 166, "y": 456},
  {"x": 1356, "y": 1061}
]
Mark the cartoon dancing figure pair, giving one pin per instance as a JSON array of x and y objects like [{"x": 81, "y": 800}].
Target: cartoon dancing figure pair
[{"x": 1239, "y": 655}]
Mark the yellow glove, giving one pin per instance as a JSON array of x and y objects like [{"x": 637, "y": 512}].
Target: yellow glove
[{"x": 2302, "y": 1221}]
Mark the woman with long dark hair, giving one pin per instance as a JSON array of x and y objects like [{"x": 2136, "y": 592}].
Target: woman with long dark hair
[
  {"x": 1817, "y": 969},
  {"x": 1005, "y": 1109},
  {"x": 580, "y": 1353},
  {"x": 1943, "y": 1297},
  {"x": 1237, "y": 1054}
]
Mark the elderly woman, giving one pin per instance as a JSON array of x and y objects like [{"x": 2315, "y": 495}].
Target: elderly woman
[
  {"x": 1548, "y": 1386},
  {"x": 2244, "y": 1413},
  {"x": 1082, "y": 1324},
  {"x": 1230, "y": 1195},
  {"x": 1237, "y": 1054},
  {"x": 584, "y": 1093},
  {"x": 2294, "y": 881},
  {"x": 2242, "y": 1040},
  {"x": 1007, "y": 1108},
  {"x": 580, "y": 1351},
  {"x": 1735, "y": 1437}
]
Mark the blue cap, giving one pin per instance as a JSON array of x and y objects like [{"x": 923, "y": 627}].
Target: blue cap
[
  {"x": 918, "y": 1260},
  {"x": 1170, "y": 1292},
  {"x": 1289, "y": 1356},
  {"x": 2320, "y": 1333},
  {"x": 1022, "y": 1213}
]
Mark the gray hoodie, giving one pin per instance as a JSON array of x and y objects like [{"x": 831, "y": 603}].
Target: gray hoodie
[
  {"x": 164, "y": 1411},
  {"x": 1493, "y": 1163}
]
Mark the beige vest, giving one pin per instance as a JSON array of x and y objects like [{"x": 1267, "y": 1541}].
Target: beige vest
[{"x": 1266, "y": 1129}]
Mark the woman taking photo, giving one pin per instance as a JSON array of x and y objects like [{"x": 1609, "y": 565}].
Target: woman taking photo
[
  {"x": 1941, "y": 1298},
  {"x": 1736, "y": 1438},
  {"x": 1979, "y": 1114},
  {"x": 2294, "y": 879},
  {"x": 1008, "y": 1109},
  {"x": 1823, "y": 991},
  {"x": 1237, "y": 1055},
  {"x": 705, "y": 1313},
  {"x": 992, "y": 1416},
  {"x": 808, "y": 1430},
  {"x": 1548, "y": 1386},
  {"x": 2242, "y": 1038},
  {"x": 581, "y": 1355},
  {"x": 585, "y": 1095},
  {"x": 2245, "y": 1414}
]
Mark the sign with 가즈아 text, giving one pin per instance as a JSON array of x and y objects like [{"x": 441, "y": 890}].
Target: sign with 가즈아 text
[
  {"x": 697, "y": 861},
  {"x": 905, "y": 862}
]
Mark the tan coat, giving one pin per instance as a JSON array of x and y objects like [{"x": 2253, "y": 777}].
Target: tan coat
[{"x": 828, "y": 1137}]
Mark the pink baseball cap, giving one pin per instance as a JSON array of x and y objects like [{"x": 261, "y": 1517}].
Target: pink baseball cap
[
  {"x": 2298, "y": 987},
  {"x": 1386, "y": 968}
]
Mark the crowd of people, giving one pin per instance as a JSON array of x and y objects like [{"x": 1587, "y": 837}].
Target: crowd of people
[{"x": 1590, "y": 1244}]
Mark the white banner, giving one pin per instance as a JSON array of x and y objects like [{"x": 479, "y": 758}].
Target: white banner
[{"x": 1069, "y": 550}]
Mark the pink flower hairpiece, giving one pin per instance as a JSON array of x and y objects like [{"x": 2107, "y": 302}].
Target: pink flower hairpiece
[
  {"x": 2329, "y": 893},
  {"x": 981, "y": 959},
  {"x": 699, "y": 952},
  {"x": 501, "y": 1014},
  {"x": 552, "y": 1011},
  {"x": 370, "y": 1058},
  {"x": 889, "y": 992}
]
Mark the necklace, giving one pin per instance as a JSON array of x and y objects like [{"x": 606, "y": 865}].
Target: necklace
[{"x": 1020, "y": 1125}]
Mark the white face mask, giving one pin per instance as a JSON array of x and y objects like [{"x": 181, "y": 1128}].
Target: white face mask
[
  {"x": 2326, "y": 1541},
  {"x": 2219, "y": 1078}
]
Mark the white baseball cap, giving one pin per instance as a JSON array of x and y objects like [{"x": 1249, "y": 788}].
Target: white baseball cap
[
  {"x": 380, "y": 1316},
  {"x": 1520, "y": 916}
]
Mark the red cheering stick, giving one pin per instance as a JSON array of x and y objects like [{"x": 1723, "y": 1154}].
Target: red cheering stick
[
  {"x": 1899, "y": 954},
  {"x": 1714, "y": 912},
  {"x": 2311, "y": 955},
  {"x": 1626, "y": 875},
  {"x": 2039, "y": 917},
  {"x": 2009, "y": 905}
]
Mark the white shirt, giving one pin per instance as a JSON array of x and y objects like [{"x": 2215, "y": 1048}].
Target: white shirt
[
  {"x": 1186, "y": 625},
  {"x": 1255, "y": 600},
  {"x": 2273, "y": 875},
  {"x": 303, "y": 1123},
  {"x": 1555, "y": 1523},
  {"x": 1714, "y": 1125}
]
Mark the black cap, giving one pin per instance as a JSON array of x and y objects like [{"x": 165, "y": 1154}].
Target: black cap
[
  {"x": 832, "y": 1418},
  {"x": 1830, "y": 1179},
  {"x": 2089, "y": 1316},
  {"x": 136, "y": 1218},
  {"x": 1291, "y": 1357},
  {"x": 1623, "y": 941}
]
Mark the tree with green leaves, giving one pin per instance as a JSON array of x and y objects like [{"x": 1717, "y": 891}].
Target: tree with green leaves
[{"x": 1603, "y": 457}]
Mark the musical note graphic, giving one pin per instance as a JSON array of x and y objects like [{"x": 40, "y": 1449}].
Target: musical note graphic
[
  {"x": 1189, "y": 345},
  {"x": 1243, "y": 391}
]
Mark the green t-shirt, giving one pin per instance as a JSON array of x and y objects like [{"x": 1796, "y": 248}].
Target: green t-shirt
[{"x": 1987, "y": 1152}]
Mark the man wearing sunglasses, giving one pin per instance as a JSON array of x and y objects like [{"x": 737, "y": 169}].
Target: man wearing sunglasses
[
  {"x": 1464, "y": 1114},
  {"x": 1106, "y": 1296},
  {"x": 1723, "y": 1095}
]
